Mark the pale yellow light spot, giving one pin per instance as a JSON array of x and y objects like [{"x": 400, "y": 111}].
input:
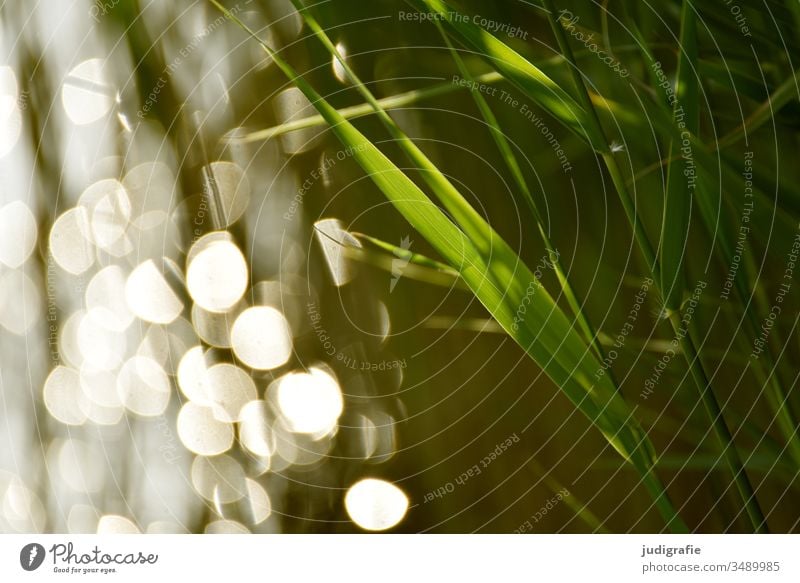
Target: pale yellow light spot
[
  {"x": 375, "y": 504},
  {"x": 10, "y": 112},
  {"x": 63, "y": 396},
  {"x": 201, "y": 432},
  {"x": 218, "y": 479},
  {"x": 20, "y": 302},
  {"x": 255, "y": 431},
  {"x": 86, "y": 96},
  {"x": 310, "y": 402},
  {"x": 192, "y": 378},
  {"x": 150, "y": 297},
  {"x": 258, "y": 502},
  {"x": 105, "y": 299},
  {"x": 229, "y": 388},
  {"x": 109, "y": 210},
  {"x": 143, "y": 386},
  {"x": 217, "y": 274},
  {"x": 71, "y": 241},
  {"x": 100, "y": 346},
  {"x": 261, "y": 338},
  {"x": 337, "y": 66}
]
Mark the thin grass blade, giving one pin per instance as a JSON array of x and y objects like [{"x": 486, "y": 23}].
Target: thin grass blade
[
  {"x": 681, "y": 173},
  {"x": 512, "y": 163}
]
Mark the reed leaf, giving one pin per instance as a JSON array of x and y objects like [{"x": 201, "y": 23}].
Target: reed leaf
[
  {"x": 507, "y": 153},
  {"x": 681, "y": 173}
]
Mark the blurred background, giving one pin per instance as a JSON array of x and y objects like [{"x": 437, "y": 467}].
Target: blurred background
[{"x": 199, "y": 335}]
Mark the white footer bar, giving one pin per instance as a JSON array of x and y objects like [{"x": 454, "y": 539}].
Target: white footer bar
[{"x": 399, "y": 558}]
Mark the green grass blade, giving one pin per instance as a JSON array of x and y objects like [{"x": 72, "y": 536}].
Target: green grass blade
[
  {"x": 717, "y": 223},
  {"x": 632, "y": 24},
  {"x": 519, "y": 71},
  {"x": 414, "y": 265},
  {"x": 512, "y": 163},
  {"x": 393, "y": 102},
  {"x": 477, "y": 325},
  {"x": 467, "y": 218},
  {"x": 406, "y": 255},
  {"x": 681, "y": 173},
  {"x": 418, "y": 268},
  {"x": 580, "y": 509},
  {"x": 734, "y": 77},
  {"x": 488, "y": 242},
  {"x": 731, "y": 455},
  {"x": 679, "y": 195},
  {"x": 628, "y": 202},
  {"x": 786, "y": 92}
]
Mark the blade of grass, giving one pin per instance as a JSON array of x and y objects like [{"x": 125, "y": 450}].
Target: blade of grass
[
  {"x": 707, "y": 461},
  {"x": 602, "y": 147},
  {"x": 415, "y": 266},
  {"x": 479, "y": 325},
  {"x": 519, "y": 71},
  {"x": 729, "y": 451},
  {"x": 786, "y": 92},
  {"x": 469, "y": 220},
  {"x": 755, "y": 306},
  {"x": 516, "y": 172},
  {"x": 632, "y": 24},
  {"x": 580, "y": 509},
  {"x": 479, "y": 232},
  {"x": 534, "y": 83},
  {"x": 681, "y": 174},
  {"x": 710, "y": 212},
  {"x": 406, "y": 255},
  {"x": 636, "y": 346},
  {"x": 394, "y": 102},
  {"x": 765, "y": 372},
  {"x": 733, "y": 76},
  {"x": 544, "y": 331}
]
